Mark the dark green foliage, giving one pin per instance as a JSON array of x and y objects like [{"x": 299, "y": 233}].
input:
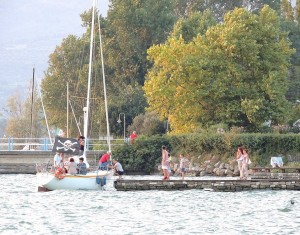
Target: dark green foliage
[
  {"x": 147, "y": 124},
  {"x": 145, "y": 153}
]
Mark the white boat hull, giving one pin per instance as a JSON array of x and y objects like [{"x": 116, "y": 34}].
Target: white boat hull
[{"x": 72, "y": 182}]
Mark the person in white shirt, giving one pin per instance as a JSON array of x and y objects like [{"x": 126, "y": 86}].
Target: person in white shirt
[
  {"x": 183, "y": 165},
  {"x": 239, "y": 159},
  {"x": 118, "y": 168},
  {"x": 57, "y": 160}
]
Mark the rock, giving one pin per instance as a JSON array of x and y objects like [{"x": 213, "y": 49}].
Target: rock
[
  {"x": 222, "y": 165},
  {"x": 228, "y": 172},
  {"x": 209, "y": 169},
  {"x": 220, "y": 172},
  {"x": 217, "y": 164}
]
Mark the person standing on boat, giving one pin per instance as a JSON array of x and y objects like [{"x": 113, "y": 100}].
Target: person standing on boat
[
  {"x": 104, "y": 161},
  {"x": 81, "y": 140},
  {"x": 165, "y": 165}
]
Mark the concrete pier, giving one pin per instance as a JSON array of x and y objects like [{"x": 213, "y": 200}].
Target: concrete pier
[{"x": 213, "y": 185}]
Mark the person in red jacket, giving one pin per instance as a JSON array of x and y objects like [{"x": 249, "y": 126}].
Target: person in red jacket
[
  {"x": 104, "y": 161},
  {"x": 133, "y": 136}
]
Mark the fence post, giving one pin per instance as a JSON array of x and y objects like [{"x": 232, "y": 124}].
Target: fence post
[
  {"x": 45, "y": 144},
  {"x": 10, "y": 141}
]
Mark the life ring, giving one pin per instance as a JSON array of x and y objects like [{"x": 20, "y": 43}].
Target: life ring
[{"x": 60, "y": 173}]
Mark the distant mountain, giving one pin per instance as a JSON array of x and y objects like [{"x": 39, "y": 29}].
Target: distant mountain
[{"x": 30, "y": 31}]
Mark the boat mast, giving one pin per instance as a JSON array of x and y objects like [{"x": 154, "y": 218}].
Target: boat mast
[
  {"x": 67, "y": 109},
  {"x": 31, "y": 114},
  {"x": 104, "y": 85},
  {"x": 87, "y": 108}
]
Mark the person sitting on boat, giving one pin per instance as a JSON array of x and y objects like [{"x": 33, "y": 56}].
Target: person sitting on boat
[
  {"x": 72, "y": 167},
  {"x": 118, "y": 168},
  {"x": 104, "y": 161},
  {"x": 81, "y": 167},
  {"x": 57, "y": 160}
]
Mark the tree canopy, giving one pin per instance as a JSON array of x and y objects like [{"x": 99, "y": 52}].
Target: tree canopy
[{"x": 234, "y": 73}]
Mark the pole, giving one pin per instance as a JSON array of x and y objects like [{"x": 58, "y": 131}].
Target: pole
[
  {"x": 67, "y": 110},
  {"x": 124, "y": 129},
  {"x": 31, "y": 112}
]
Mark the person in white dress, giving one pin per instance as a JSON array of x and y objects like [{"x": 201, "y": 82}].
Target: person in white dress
[{"x": 239, "y": 159}]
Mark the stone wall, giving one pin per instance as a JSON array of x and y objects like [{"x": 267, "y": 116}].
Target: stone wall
[{"x": 211, "y": 185}]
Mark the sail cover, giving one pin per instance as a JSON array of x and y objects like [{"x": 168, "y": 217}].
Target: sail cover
[{"x": 66, "y": 145}]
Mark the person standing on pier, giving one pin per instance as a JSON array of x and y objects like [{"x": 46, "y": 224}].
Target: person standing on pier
[
  {"x": 183, "y": 165},
  {"x": 245, "y": 162},
  {"x": 165, "y": 165},
  {"x": 239, "y": 159}
]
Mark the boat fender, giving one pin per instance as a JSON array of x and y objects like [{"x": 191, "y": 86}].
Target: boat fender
[
  {"x": 60, "y": 173},
  {"x": 101, "y": 181},
  {"x": 98, "y": 180}
]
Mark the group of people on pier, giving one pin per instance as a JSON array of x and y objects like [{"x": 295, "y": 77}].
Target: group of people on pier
[
  {"x": 166, "y": 164},
  {"x": 243, "y": 160}
]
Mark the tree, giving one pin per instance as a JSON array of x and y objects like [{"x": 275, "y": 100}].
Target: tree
[
  {"x": 147, "y": 124},
  {"x": 68, "y": 64},
  {"x": 287, "y": 12},
  {"x": 234, "y": 74},
  {"x": 184, "y": 9},
  {"x": 196, "y": 23},
  {"x": 130, "y": 29},
  {"x": 19, "y": 117}
]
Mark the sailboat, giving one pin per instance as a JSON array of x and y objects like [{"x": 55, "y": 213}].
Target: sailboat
[{"x": 93, "y": 180}]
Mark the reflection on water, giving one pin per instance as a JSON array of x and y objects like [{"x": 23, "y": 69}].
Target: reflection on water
[{"x": 25, "y": 211}]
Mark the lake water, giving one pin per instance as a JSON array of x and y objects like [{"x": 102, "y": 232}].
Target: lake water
[{"x": 23, "y": 210}]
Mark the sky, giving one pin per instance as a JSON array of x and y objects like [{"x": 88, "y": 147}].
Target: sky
[{"x": 30, "y": 31}]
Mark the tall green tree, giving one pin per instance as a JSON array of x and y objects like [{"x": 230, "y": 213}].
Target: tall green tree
[
  {"x": 234, "y": 74},
  {"x": 68, "y": 64},
  {"x": 290, "y": 23},
  {"x": 133, "y": 27}
]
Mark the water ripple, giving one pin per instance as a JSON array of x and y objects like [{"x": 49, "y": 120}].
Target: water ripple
[{"x": 25, "y": 211}]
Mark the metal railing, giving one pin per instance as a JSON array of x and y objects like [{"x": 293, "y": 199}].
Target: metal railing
[{"x": 44, "y": 144}]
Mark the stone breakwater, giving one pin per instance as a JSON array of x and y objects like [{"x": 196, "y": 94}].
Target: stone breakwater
[
  {"x": 208, "y": 168},
  {"x": 213, "y": 185}
]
